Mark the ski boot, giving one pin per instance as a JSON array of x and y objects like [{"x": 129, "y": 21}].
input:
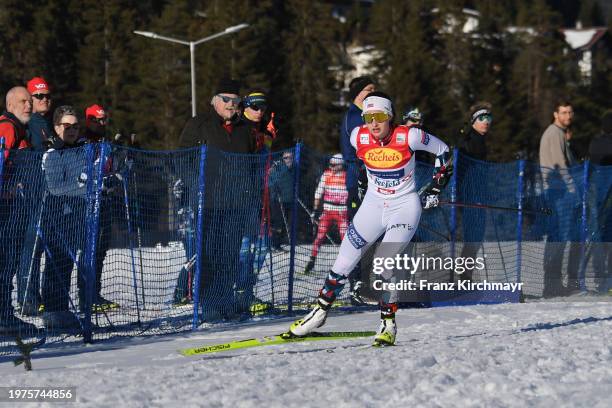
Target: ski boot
[
  {"x": 387, "y": 329},
  {"x": 317, "y": 316}
]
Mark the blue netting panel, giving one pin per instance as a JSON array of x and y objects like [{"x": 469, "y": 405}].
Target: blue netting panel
[
  {"x": 145, "y": 241},
  {"x": 106, "y": 237},
  {"x": 490, "y": 234},
  {"x": 551, "y": 243},
  {"x": 321, "y": 218}
]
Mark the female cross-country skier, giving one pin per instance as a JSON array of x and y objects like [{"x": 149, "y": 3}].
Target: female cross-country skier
[{"x": 391, "y": 206}]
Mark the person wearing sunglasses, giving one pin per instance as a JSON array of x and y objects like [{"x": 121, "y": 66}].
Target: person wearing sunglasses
[
  {"x": 39, "y": 126},
  {"x": 231, "y": 189},
  {"x": 391, "y": 207},
  {"x": 473, "y": 144},
  {"x": 65, "y": 167},
  {"x": 255, "y": 111},
  {"x": 39, "y": 134}
]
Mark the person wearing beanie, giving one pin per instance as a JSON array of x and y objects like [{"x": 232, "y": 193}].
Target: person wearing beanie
[
  {"x": 391, "y": 208},
  {"x": 473, "y": 144},
  {"x": 39, "y": 127},
  {"x": 255, "y": 109},
  {"x": 230, "y": 191},
  {"x": 356, "y": 180},
  {"x": 95, "y": 123}
]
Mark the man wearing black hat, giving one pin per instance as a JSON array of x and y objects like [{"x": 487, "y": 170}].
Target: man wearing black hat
[
  {"x": 359, "y": 88},
  {"x": 230, "y": 185},
  {"x": 220, "y": 126}
]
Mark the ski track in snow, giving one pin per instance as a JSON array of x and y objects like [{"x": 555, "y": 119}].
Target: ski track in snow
[{"x": 545, "y": 354}]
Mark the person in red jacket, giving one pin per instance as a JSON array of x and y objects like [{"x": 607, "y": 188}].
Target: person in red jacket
[
  {"x": 14, "y": 120},
  {"x": 13, "y": 129}
]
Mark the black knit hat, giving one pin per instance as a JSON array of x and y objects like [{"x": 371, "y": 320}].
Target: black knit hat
[
  {"x": 228, "y": 86},
  {"x": 357, "y": 85}
]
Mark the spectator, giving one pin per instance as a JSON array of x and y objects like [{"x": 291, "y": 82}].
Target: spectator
[
  {"x": 39, "y": 126},
  {"x": 229, "y": 179},
  {"x": 332, "y": 191},
  {"x": 281, "y": 198},
  {"x": 13, "y": 129},
  {"x": 95, "y": 131},
  {"x": 39, "y": 133},
  {"x": 412, "y": 116},
  {"x": 600, "y": 151},
  {"x": 64, "y": 165},
  {"x": 474, "y": 145},
  {"x": 600, "y": 148},
  {"x": 560, "y": 192},
  {"x": 95, "y": 123},
  {"x": 254, "y": 114},
  {"x": 255, "y": 243},
  {"x": 356, "y": 179}
]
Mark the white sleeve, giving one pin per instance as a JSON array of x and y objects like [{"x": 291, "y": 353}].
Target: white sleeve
[
  {"x": 418, "y": 139},
  {"x": 354, "y": 133}
]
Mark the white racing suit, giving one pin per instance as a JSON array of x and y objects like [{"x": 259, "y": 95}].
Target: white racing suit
[{"x": 391, "y": 205}]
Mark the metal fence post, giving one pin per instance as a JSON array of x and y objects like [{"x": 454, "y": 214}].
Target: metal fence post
[
  {"x": 453, "y": 210},
  {"x": 519, "y": 218},
  {"x": 296, "y": 196},
  {"x": 199, "y": 237},
  {"x": 94, "y": 192},
  {"x": 584, "y": 225}
]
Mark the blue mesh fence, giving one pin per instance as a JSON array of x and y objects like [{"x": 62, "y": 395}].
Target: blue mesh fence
[{"x": 103, "y": 240}]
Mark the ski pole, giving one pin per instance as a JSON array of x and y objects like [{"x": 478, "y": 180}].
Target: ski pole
[
  {"x": 310, "y": 214},
  {"x": 139, "y": 238},
  {"x": 284, "y": 218},
  {"x": 130, "y": 240},
  {"x": 35, "y": 249},
  {"x": 543, "y": 210}
]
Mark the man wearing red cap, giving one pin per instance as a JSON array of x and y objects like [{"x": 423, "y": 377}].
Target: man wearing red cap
[
  {"x": 39, "y": 127},
  {"x": 95, "y": 123}
]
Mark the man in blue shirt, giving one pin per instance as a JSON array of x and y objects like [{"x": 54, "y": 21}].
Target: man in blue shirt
[{"x": 359, "y": 88}]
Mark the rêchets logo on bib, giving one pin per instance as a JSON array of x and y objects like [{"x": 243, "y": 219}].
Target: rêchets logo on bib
[{"x": 382, "y": 158}]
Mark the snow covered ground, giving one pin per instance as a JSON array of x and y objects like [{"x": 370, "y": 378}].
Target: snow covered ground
[{"x": 549, "y": 354}]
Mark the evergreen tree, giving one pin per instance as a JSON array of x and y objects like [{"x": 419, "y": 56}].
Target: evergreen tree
[{"x": 310, "y": 88}]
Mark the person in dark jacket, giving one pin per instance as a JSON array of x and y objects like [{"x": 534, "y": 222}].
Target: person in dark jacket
[
  {"x": 39, "y": 127},
  {"x": 473, "y": 144},
  {"x": 39, "y": 132},
  {"x": 229, "y": 187},
  {"x": 356, "y": 179},
  {"x": 600, "y": 152}
]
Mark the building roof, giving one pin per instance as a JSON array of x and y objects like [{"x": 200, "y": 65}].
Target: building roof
[{"x": 583, "y": 38}]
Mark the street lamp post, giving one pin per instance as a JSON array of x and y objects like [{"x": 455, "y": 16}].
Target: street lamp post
[{"x": 192, "y": 45}]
